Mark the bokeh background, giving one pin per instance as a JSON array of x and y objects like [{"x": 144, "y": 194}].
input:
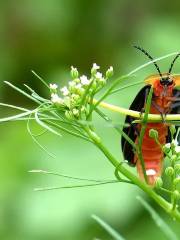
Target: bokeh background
[{"x": 49, "y": 36}]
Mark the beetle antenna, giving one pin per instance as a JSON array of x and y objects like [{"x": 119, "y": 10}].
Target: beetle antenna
[
  {"x": 172, "y": 64},
  {"x": 151, "y": 58}
]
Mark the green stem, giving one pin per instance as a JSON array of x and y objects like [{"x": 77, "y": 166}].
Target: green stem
[
  {"x": 142, "y": 133},
  {"x": 136, "y": 114},
  {"x": 145, "y": 187}
]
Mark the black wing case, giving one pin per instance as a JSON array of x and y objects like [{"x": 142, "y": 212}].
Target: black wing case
[
  {"x": 136, "y": 105},
  {"x": 175, "y": 110}
]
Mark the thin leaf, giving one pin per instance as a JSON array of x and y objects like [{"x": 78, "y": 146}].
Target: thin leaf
[
  {"x": 36, "y": 95},
  {"x": 36, "y": 141},
  {"x": 107, "y": 92},
  {"x": 67, "y": 176},
  {"x": 126, "y": 86},
  {"x": 15, "y": 117},
  {"x": 14, "y": 107},
  {"x": 177, "y": 134},
  {"x": 22, "y": 92},
  {"x": 164, "y": 227},
  {"x": 116, "y": 82},
  {"x": 67, "y": 130},
  {"x": 150, "y": 62},
  {"x": 40, "y": 78},
  {"x": 75, "y": 186},
  {"x": 106, "y": 118},
  {"x": 41, "y": 123},
  {"x": 29, "y": 88},
  {"x": 108, "y": 228},
  {"x": 116, "y": 173}
]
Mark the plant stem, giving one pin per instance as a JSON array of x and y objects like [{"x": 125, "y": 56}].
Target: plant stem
[
  {"x": 145, "y": 187},
  {"x": 136, "y": 114}
]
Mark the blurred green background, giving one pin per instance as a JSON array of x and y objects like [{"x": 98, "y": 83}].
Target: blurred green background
[{"x": 49, "y": 36}]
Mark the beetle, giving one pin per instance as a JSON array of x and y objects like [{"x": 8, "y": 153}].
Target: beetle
[{"x": 164, "y": 101}]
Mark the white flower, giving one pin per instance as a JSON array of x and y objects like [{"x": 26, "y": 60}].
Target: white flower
[
  {"x": 167, "y": 145},
  {"x": 53, "y": 86},
  {"x": 84, "y": 80},
  {"x": 95, "y": 66},
  {"x": 65, "y": 91},
  {"x": 56, "y": 99},
  {"x": 98, "y": 75}
]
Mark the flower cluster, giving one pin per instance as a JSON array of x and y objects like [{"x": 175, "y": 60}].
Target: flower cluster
[{"x": 75, "y": 97}]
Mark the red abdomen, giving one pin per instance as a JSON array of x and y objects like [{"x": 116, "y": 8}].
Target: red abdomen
[{"x": 151, "y": 151}]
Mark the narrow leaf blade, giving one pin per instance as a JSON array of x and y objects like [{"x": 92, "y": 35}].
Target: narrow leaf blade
[
  {"x": 158, "y": 220},
  {"x": 108, "y": 228}
]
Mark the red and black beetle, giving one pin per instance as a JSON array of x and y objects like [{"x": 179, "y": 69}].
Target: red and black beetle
[{"x": 164, "y": 101}]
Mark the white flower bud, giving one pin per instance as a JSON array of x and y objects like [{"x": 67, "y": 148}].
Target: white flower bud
[
  {"x": 74, "y": 72},
  {"x": 84, "y": 80},
  {"x": 69, "y": 115},
  {"x": 169, "y": 171},
  {"x": 75, "y": 96},
  {"x": 53, "y": 87},
  {"x": 56, "y": 99},
  {"x": 75, "y": 112},
  {"x": 64, "y": 91},
  {"x": 98, "y": 75},
  {"x": 153, "y": 134},
  {"x": 109, "y": 72},
  {"x": 167, "y": 145},
  {"x": 158, "y": 182},
  {"x": 94, "y": 68}
]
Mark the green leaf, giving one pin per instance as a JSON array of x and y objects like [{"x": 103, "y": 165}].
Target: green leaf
[
  {"x": 69, "y": 177},
  {"x": 42, "y": 124},
  {"x": 75, "y": 186},
  {"x": 106, "y": 118},
  {"x": 36, "y": 141},
  {"x": 126, "y": 86},
  {"x": 16, "y": 117},
  {"x": 158, "y": 220},
  {"x": 22, "y": 92},
  {"x": 15, "y": 107},
  {"x": 108, "y": 228},
  {"x": 40, "y": 78},
  {"x": 150, "y": 62}
]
